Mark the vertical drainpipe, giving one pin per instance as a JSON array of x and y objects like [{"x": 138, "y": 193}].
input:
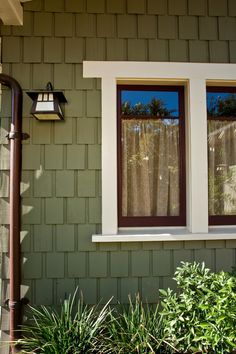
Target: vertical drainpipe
[{"x": 15, "y": 136}]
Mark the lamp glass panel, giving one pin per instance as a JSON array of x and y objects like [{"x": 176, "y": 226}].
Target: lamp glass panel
[
  {"x": 50, "y": 97},
  {"x": 40, "y": 97},
  {"x": 45, "y": 97},
  {"x": 44, "y": 106}
]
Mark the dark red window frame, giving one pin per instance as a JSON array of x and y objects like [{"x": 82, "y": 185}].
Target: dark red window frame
[
  {"x": 222, "y": 219},
  {"x": 152, "y": 221}
]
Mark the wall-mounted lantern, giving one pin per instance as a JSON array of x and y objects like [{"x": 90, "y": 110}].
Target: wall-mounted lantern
[{"x": 47, "y": 103}]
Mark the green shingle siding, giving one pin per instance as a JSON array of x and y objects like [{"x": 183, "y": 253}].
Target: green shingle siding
[{"x": 61, "y": 177}]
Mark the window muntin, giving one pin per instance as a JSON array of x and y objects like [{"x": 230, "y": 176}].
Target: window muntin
[
  {"x": 221, "y": 114},
  {"x": 151, "y": 156}
]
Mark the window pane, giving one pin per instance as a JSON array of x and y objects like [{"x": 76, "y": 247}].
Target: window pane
[
  {"x": 152, "y": 103},
  {"x": 221, "y": 104},
  {"x": 150, "y": 167},
  {"x": 222, "y": 167}
]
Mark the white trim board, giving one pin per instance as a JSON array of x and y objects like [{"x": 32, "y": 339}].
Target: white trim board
[
  {"x": 162, "y": 237},
  {"x": 195, "y": 76},
  {"x": 155, "y": 70}
]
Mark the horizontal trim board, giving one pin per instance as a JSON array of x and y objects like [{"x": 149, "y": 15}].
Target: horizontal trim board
[
  {"x": 163, "y": 237},
  {"x": 164, "y": 70}
]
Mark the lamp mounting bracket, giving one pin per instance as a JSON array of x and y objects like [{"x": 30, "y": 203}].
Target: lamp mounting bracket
[{"x": 49, "y": 86}]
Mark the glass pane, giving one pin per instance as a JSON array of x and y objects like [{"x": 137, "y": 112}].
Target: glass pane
[
  {"x": 221, "y": 104},
  {"x": 153, "y": 103},
  {"x": 222, "y": 167},
  {"x": 150, "y": 167}
]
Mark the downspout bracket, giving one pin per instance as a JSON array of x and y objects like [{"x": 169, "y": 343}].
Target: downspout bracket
[
  {"x": 17, "y": 135},
  {"x": 16, "y": 304}
]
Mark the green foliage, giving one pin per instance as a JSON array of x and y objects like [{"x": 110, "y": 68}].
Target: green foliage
[
  {"x": 136, "y": 329},
  {"x": 71, "y": 331},
  {"x": 199, "y": 318},
  {"x": 202, "y": 316}
]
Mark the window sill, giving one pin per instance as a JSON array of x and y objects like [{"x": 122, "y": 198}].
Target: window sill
[{"x": 150, "y": 235}]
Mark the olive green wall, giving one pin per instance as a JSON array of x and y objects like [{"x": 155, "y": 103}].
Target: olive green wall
[{"x": 61, "y": 180}]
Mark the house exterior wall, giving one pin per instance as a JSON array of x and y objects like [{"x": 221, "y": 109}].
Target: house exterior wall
[{"x": 61, "y": 167}]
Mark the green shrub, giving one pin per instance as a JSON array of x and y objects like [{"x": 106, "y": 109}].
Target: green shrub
[
  {"x": 135, "y": 329},
  {"x": 70, "y": 331},
  {"x": 202, "y": 316},
  {"x": 199, "y": 318}
]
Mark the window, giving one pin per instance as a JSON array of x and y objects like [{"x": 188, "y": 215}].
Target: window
[
  {"x": 194, "y": 77},
  {"x": 151, "y": 155},
  {"x": 221, "y": 114}
]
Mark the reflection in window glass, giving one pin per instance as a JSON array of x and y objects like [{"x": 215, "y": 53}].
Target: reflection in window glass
[
  {"x": 222, "y": 153},
  {"x": 150, "y": 103},
  {"x": 221, "y": 104}
]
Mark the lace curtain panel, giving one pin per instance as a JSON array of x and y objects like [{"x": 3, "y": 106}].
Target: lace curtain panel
[
  {"x": 222, "y": 167},
  {"x": 150, "y": 167}
]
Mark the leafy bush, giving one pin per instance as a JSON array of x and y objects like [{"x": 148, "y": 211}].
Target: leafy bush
[
  {"x": 199, "y": 318},
  {"x": 202, "y": 316},
  {"x": 67, "y": 332},
  {"x": 136, "y": 329}
]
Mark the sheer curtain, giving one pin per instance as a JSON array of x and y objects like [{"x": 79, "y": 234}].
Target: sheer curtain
[
  {"x": 222, "y": 167},
  {"x": 150, "y": 167}
]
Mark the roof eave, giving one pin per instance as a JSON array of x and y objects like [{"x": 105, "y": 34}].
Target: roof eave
[{"x": 11, "y": 12}]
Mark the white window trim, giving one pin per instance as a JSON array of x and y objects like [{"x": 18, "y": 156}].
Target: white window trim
[{"x": 195, "y": 77}]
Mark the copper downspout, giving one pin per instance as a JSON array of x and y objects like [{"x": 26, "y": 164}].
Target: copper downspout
[{"x": 15, "y": 136}]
